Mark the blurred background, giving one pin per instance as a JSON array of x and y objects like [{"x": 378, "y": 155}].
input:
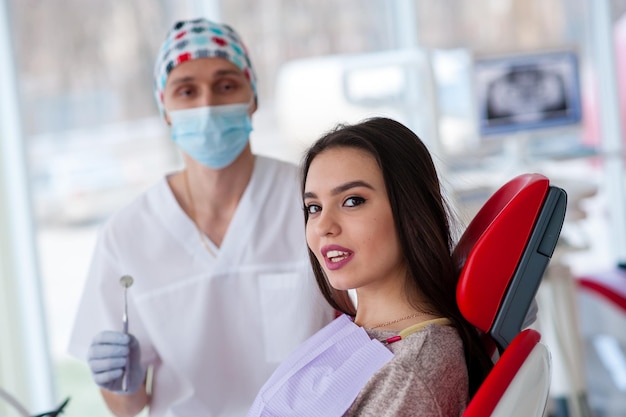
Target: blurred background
[{"x": 81, "y": 136}]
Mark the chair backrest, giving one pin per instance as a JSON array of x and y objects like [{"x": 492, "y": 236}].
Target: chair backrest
[{"x": 505, "y": 251}]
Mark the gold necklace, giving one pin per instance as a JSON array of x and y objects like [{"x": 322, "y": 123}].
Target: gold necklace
[
  {"x": 192, "y": 209},
  {"x": 395, "y": 321}
]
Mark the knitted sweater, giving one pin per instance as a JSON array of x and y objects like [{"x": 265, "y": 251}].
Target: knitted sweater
[{"x": 427, "y": 377}]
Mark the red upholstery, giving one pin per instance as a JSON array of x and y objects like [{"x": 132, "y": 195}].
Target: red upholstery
[
  {"x": 503, "y": 239},
  {"x": 501, "y": 376},
  {"x": 492, "y": 245}
]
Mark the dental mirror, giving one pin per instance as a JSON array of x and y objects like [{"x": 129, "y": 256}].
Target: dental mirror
[{"x": 125, "y": 281}]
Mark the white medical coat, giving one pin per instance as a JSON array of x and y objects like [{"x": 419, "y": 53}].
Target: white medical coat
[{"x": 214, "y": 329}]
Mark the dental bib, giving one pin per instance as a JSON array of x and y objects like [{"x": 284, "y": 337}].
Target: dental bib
[{"x": 324, "y": 375}]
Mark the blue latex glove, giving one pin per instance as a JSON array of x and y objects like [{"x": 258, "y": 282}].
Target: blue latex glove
[{"x": 107, "y": 357}]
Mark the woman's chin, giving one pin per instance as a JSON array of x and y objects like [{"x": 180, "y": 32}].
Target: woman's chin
[{"x": 341, "y": 286}]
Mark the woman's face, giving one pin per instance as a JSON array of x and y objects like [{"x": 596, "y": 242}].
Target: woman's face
[{"x": 350, "y": 228}]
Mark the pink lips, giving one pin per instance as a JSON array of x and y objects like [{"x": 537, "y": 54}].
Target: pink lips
[{"x": 336, "y": 257}]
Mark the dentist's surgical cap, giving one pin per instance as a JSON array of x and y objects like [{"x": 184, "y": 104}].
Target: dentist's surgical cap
[{"x": 199, "y": 38}]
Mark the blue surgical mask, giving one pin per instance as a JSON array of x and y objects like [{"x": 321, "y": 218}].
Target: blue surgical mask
[{"x": 214, "y": 135}]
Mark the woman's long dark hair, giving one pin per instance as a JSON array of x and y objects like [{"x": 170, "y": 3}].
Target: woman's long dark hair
[{"x": 421, "y": 218}]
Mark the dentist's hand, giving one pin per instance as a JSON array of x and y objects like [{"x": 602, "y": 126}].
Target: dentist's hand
[{"x": 108, "y": 354}]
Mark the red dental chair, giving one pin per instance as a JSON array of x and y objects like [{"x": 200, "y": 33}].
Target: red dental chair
[{"x": 505, "y": 251}]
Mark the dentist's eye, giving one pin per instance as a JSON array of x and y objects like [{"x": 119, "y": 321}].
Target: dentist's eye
[
  {"x": 226, "y": 86},
  {"x": 353, "y": 201},
  {"x": 312, "y": 209},
  {"x": 185, "y": 91}
]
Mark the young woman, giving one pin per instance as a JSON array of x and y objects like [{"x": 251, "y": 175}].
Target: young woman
[{"x": 376, "y": 222}]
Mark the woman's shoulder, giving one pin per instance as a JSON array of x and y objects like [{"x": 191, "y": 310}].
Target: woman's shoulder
[
  {"x": 433, "y": 337},
  {"x": 431, "y": 343},
  {"x": 417, "y": 370},
  {"x": 428, "y": 352}
]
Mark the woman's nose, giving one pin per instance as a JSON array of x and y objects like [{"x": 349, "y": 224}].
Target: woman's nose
[{"x": 327, "y": 224}]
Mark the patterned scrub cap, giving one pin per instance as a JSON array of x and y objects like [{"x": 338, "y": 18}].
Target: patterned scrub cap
[{"x": 199, "y": 38}]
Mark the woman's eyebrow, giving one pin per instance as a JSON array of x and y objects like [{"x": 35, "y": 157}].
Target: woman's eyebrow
[
  {"x": 349, "y": 185},
  {"x": 341, "y": 188}
]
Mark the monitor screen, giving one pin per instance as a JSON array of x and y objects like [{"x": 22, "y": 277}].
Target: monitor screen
[{"x": 519, "y": 92}]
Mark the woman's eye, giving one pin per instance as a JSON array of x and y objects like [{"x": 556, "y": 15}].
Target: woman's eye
[
  {"x": 312, "y": 209},
  {"x": 354, "y": 201}
]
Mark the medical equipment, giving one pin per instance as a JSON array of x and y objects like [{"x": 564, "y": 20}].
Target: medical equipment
[
  {"x": 17, "y": 406},
  {"x": 125, "y": 281}
]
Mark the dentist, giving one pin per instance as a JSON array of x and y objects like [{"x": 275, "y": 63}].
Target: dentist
[{"x": 223, "y": 289}]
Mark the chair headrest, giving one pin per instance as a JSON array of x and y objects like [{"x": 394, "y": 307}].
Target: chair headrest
[{"x": 492, "y": 245}]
